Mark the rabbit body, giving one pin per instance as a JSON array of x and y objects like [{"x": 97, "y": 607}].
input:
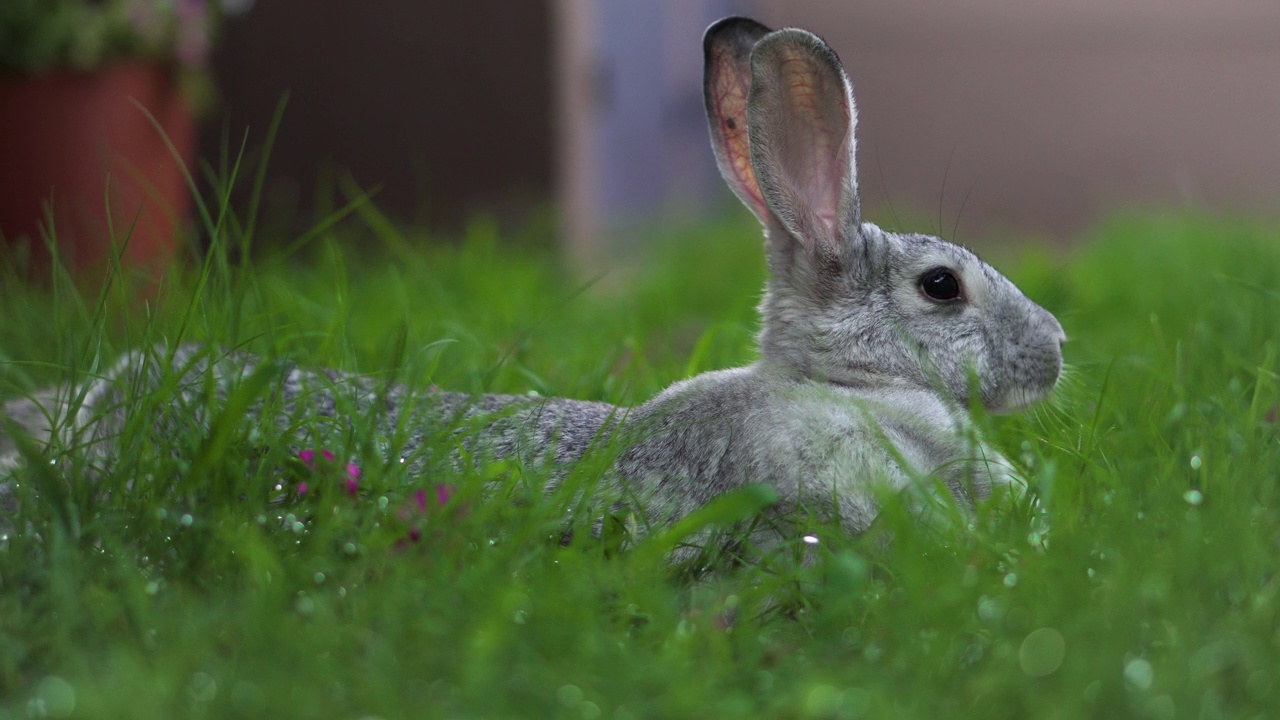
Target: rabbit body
[{"x": 873, "y": 344}]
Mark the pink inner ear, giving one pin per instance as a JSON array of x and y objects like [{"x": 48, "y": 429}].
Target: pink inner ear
[
  {"x": 815, "y": 134},
  {"x": 729, "y": 99}
]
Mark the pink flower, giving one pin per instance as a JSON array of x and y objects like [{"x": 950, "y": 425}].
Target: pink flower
[
  {"x": 444, "y": 493},
  {"x": 308, "y": 458}
]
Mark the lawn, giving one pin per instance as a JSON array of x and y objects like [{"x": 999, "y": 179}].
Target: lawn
[{"x": 180, "y": 584}]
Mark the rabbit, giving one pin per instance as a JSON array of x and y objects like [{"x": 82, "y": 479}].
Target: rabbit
[{"x": 873, "y": 344}]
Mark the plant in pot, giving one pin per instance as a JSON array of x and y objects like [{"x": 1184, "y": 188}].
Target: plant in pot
[{"x": 96, "y": 101}]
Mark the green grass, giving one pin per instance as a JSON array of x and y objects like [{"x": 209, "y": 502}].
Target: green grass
[{"x": 1152, "y": 591}]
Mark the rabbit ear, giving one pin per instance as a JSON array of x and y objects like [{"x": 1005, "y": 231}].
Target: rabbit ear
[
  {"x": 801, "y": 119},
  {"x": 726, "y": 81}
]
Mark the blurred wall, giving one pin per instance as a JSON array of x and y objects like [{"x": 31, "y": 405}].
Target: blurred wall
[
  {"x": 446, "y": 106},
  {"x": 1036, "y": 118},
  {"x": 631, "y": 140},
  {"x": 1049, "y": 114}
]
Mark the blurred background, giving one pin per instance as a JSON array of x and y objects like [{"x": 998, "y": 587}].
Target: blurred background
[
  {"x": 1043, "y": 116},
  {"x": 983, "y": 118}
]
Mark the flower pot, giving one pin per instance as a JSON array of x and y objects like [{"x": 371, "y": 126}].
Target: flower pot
[{"x": 77, "y": 149}]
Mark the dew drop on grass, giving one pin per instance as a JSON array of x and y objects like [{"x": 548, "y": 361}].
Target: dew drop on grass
[
  {"x": 823, "y": 701},
  {"x": 202, "y": 688},
  {"x": 304, "y": 605},
  {"x": 153, "y": 587},
  {"x": 1092, "y": 572},
  {"x": 382, "y": 502},
  {"x": 1092, "y": 691},
  {"x": 186, "y": 520},
  {"x": 1010, "y": 580},
  {"x": 161, "y": 514},
  {"x": 319, "y": 578},
  {"x": 1193, "y": 497},
  {"x": 810, "y": 540},
  {"x": 262, "y": 519},
  {"x": 873, "y": 653},
  {"x": 1196, "y": 462},
  {"x": 520, "y": 617},
  {"x": 298, "y": 526},
  {"x": 55, "y": 697},
  {"x": 1139, "y": 674},
  {"x": 349, "y": 548},
  {"x": 1042, "y": 652},
  {"x": 589, "y": 710},
  {"x": 569, "y": 695}
]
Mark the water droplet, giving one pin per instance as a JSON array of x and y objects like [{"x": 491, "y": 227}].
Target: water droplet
[
  {"x": 186, "y": 520},
  {"x": 202, "y": 688},
  {"x": 1141, "y": 515},
  {"x": 810, "y": 540},
  {"x": 402, "y": 459},
  {"x": 1193, "y": 497},
  {"x": 1033, "y": 538},
  {"x": 1042, "y": 652},
  {"x": 319, "y": 578},
  {"x": 161, "y": 514},
  {"x": 262, "y": 519},
  {"x": 153, "y": 587},
  {"x": 382, "y": 502},
  {"x": 589, "y": 710},
  {"x": 1139, "y": 674},
  {"x": 298, "y": 527},
  {"x": 1195, "y": 462},
  {"x": 1092, "y": 690},
  {"x": 342, "y": 592},
  {"x": 304, "y": 605},
  {"x": 56, "y": 696},
  {"x": 349, "y": 548},
  {"x": 823, "y": 701},
  {"x": 520, "y": 617},
  {"x": 1010, "y": 580},
  {"x": 1091, "y": 573},
  {"x": 569, "y": 695},
  {"x": 278, "y": 487}
]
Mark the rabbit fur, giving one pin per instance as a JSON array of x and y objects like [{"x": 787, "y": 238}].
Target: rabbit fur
[{"x": 863, "y": 382}]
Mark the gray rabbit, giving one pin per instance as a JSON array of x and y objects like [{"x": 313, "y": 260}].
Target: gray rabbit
[{"x": 872, "y": 342}]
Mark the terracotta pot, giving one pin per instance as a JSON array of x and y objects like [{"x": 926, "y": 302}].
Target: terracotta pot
[{"x": 70, "y": 142}]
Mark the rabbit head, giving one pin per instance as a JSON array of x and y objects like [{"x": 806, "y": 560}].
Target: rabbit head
[{"x": 847, "y": 302}]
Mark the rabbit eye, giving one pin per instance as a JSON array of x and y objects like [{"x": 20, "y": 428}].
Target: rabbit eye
[{"x": 940, "y": 284}]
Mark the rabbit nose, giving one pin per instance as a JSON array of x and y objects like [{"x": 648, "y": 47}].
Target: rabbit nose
[{"x": 1054, "y": 327}]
